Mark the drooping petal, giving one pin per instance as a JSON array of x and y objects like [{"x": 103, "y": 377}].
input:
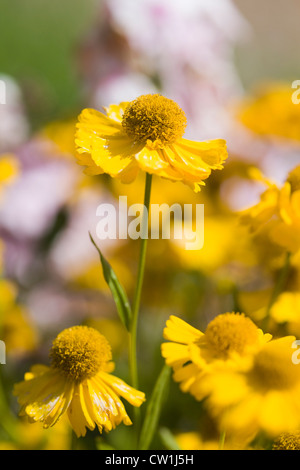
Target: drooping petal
[
  {"x": 85, "y": 159},
  {"x": 44, "y": 395},
  {"x": 185, "y": 168},
  {"x": 78, "y": 413},
  {"x": 213, "y": 152},
  {"x": 133, "y": 396}
]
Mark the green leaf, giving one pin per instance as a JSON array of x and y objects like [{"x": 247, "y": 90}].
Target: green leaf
[
  {"x": 118, "y": 292},
  {"x": 154, "y": 408},
  {"x": 168, "y": 439}
]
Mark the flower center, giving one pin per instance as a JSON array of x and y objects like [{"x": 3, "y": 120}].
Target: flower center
[
  {"x": 231, "y": 332},
  {"x": 154, "y": 118},
  {"x": 79, "y": 352},
  {"x": 294, "y": 179},
  {"x": 287, "y": 441},
  {"x": 273, "y": 367}
]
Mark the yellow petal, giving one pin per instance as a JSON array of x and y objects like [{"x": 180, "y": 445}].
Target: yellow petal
[
  {"x": 116, "y": 111},
  {"x": 95, "y": 123},
  {"x": 175, "y": 354},
  {"x": 134, "y": 397},
  {"x": 278, "y": 413},
  {"x": 78, "y": 413},
  {"x": 181, "y": 332},
  {"x": 213, "y": 152}
]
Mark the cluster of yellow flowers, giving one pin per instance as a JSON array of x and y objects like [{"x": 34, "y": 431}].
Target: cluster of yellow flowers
[{"x": 245, "y": 377}]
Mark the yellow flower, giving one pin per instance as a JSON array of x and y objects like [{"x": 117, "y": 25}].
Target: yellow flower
[
  {"x": 145, "y": 134},
  {"x": 193, "y": 441},
  {"x": 17, "y": 332},
  {"x": 9, "y": 169},
  {"x": 61, "y": 133},
  {"x": 77, "y": 382},
  {"x": 228, "y": 341},
  {"x": 264, "y": 397},
  {"x": 272, "y": 113},
  {"x": 277, "y": 215},
  {"x": 286, "y": 310}
]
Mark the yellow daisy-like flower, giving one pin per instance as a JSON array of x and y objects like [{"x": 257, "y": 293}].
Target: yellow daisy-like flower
[
  {"x": 194, "y": 441},
  {"x": 145, "y": 134},
  {"x": 228, "y": 342},
  {"x": 77, "y": 382},
  {"x": 9, "y": 169},
  {"x": 271, "y": 112},
  {"x": 264, "y": 397},
  {"x": 286, "y": 311},
  {"x": 277, "y": 215}
]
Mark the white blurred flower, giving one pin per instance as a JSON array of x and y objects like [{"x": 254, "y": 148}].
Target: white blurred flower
[
  {"x": 30, "y": 205},
  {"x": 72, "y": 252},
  {"x": 183, "y": 49},
  {"x": 14, "y": 127}
]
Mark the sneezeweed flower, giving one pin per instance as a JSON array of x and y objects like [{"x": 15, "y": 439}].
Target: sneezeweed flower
[
  {"x": 262, "y": 398},
  {"x": 194, "y": 441},
  {"x": 277, "y": 215},
  {"x": 145, "y": 134},
  {"x": 272, "y": 113},
  {"x": 286, "y": 311},
  {"x": 78, "y": 382},
  {"x": 17, "y": 331},
  {"x": 228, "y": 342},
  {"x": 9, "y": 169}
]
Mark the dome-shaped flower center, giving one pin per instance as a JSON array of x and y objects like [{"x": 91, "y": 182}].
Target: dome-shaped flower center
[
  {"x": 154, "y": 118},
  {"x": 231, "y": 332},
  {"x": 287, "y": 441},
  {"x": 273, "y": 367},
  {"x": 79, "y": 352}
]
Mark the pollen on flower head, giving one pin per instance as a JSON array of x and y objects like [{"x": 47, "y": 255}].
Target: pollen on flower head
[
  {"x": 231, "y": 332},
  {"x": 80, "y": 352},
  {"x": 154, "y": 118},
  {"x": 287, "y": 441}
]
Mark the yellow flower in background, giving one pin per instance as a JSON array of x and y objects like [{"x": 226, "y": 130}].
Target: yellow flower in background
[
  {"x": 9, "y": 169},
  {"x": 8, "y": 294},
  {"x": 194, "y": 441},
  {"x": 228, "y": 341},
  {"x": 286, "y": 310},
  {"x": 61, "y": 133},
  {"x": 277, "y": 215},
  {"x": 262, "y": 398},
  {"x": 77, "y": 382},
  {"x": 17, "y": 332},
  {"x": 272, "y": 112},
  {"x": 233, "y": 246},
  {"x": 145, "y": 134}
]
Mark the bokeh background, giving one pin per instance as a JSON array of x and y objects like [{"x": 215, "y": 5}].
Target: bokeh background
[{"x": 57, "y": 58}]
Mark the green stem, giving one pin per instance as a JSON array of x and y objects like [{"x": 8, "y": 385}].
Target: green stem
[
  {"x": 278, "y": 288},
  {"x": 222, "y": 440},
  {"x": 138, "y": 292}
]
